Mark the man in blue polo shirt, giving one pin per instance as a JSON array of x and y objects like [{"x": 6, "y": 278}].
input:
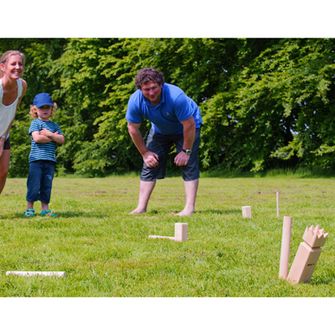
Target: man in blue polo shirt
[{"x": 175, "y": 120}]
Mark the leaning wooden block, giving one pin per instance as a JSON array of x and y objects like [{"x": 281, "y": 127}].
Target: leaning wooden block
[
  {"x": 36, "y": 273},
  {"x": 307, "y": 255},
  {"x": 180, "y": 232},
  {"x": 303, "y": 264}
]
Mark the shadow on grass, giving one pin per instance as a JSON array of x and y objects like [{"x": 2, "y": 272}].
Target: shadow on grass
[
  {"x": 72, "y": 214},
  {"x": 197, "y": 212},
  {"x": 60, "y": 214},
  {"x": 219, "y": 211},
  {"x": 326, "y": 279}
]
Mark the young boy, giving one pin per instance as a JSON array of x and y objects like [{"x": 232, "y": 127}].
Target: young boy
[{"x": 46, "y": 135}]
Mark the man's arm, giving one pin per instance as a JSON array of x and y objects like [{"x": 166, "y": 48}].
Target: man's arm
[
  {"x": 188, "y": 132},
  {"x": 150, "y": 158},
  {"x": 136, "y": 136},
  {"x": 189, "y": 135}
]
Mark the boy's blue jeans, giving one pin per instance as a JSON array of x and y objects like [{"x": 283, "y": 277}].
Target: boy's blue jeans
[{"x": 39, "y": 182}]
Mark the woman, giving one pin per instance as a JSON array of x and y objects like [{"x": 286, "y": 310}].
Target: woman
[{"x": 12, "y": 89}]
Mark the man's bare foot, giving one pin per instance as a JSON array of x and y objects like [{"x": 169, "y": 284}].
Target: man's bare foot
[
  {"x": 185, "y": 212},
  {"x": 137, "y": 211}
]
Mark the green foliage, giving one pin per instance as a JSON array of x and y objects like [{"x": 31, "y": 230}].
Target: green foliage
[
  {"x": 276, "y": 100},
  {"x": 19, "y": 153},
  {"x": 266, "y": 103}
]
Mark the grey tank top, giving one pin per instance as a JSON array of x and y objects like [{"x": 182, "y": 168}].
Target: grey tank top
[{"x": 7, "y": 112}]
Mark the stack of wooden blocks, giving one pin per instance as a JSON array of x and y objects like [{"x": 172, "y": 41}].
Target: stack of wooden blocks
[{"x": 307, "y": 255}]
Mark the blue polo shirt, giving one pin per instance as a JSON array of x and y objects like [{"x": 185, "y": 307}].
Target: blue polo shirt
[{"x": 175, "y": 106}]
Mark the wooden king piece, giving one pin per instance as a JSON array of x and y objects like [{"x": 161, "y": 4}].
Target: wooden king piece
[{"x": 307, "y": 255}]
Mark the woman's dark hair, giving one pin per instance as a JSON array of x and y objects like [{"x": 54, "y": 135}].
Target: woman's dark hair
[{"x": 148, "y": 74}]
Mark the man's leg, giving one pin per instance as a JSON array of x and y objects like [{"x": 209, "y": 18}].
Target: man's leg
[
  {"x": 146, "y": 188},
  {"x": 191, "y": 176},
  {"x": 191, "y": 188},
  {"x": 4, "y": 166}
]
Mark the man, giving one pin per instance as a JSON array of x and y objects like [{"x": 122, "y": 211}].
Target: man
[{"x": 175, "y": 119}]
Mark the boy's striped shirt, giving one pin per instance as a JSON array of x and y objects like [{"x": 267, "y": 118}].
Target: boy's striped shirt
[{"x": 43, "y": 151}]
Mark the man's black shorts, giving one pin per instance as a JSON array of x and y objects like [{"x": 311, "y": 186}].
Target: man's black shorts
[{"x": 161, "y": 145}]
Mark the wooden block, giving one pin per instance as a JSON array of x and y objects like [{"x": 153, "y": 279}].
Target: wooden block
[
  {"x": 36, "y": 273},
  {"x": 162, "y": 237},
  {"x": 180, "y": 232},
  {"x": 285, "y": 247},
  {"x": 246, "y": 212},
  {"x": 303, "y": 264},
  {"x": 277, "y": 203}
]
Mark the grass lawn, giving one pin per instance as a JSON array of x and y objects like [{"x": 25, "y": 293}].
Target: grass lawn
[{"x": 106, "y": 252}]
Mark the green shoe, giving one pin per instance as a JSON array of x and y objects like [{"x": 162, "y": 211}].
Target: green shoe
[
  {"x": 48, "y": 212},
  {"x": 29, "y": 213}
]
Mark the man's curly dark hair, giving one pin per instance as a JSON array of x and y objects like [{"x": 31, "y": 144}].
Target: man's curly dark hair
[{"x": 148, "y": 74}]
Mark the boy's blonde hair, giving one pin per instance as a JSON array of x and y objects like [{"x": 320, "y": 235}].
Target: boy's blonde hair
[{"x": 34, "y": 109}]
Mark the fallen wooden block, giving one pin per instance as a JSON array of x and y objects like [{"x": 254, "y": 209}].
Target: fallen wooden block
[
  {"x": 162, "y": 237},
  {"x": 36, "y": 273},
  {"x": 180, "y": 233}
]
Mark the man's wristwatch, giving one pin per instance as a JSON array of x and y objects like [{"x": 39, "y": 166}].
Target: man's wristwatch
[{"x": 187, "y": 151}]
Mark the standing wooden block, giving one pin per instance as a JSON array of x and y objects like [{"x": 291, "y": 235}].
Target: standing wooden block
[
  {"x": 180, "y": 232},
  {"x": 277, "y": 203},
  {"x": 246, "y": 212},
  {"x": 307, "y": 255},
  {"x": 285, "y": 247}
]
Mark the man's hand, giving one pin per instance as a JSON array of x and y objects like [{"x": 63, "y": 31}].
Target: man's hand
[
  {"x": 151, "y": 159},
  {"x": 181, "y": 159}
]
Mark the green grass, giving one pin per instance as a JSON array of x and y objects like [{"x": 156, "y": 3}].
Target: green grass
[{"x": 106, "y": 252}]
